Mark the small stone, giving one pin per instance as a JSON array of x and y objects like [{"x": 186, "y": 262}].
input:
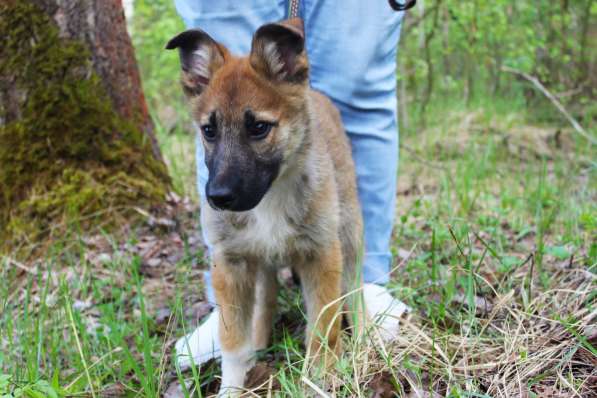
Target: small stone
[
  {"x": 174, "y": 390},
  {"x": 153, "y": 262},
  {"x": 162, "y": 315},
  {"x": 104, "y": 258}
]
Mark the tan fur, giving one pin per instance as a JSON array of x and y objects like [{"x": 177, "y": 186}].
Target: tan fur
[
  {"x": 309, "y": 219},
  {"x": 234, "y": 288},
  {"x": 266, "y": 290},
  {"x": 321, "y": 282}
]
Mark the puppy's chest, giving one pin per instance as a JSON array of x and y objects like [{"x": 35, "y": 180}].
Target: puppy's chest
[{"x": 272, "y": 232}]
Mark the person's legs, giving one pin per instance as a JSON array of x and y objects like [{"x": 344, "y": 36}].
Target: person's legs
[
  {"x": 352, "y": 48},
  {"x": 352, "y": 51},
  {"x": 230, "y": 22}
]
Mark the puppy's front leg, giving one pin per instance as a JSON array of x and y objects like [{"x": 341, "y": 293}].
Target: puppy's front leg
[
  {"x": 234, "y": 288},
  {"x": 265, "y": 306},
  {"x": 321, "y": 283}
]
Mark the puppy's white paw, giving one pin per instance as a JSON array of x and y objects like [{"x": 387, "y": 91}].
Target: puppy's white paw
[
  {"x": 235, "y": 366},
  {"x": 201, "y": 345}
]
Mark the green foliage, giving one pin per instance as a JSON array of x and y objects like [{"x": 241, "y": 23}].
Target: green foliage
[
  {"x": 154, "y": 23},
  {"x": 67, "y": 152},
  {"x": 38, "y": 389},
  {"x": 455, "y": 49}
]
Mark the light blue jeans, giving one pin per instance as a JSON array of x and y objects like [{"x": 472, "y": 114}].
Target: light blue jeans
[{"x": 352, "y": 48}]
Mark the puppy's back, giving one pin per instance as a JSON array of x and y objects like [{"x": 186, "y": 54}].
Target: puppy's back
[{"x": 338, "y": 147}]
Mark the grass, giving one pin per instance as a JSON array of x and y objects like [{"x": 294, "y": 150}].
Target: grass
[
  {"x": 495, "y": 250},
  {"x": 495, "y": 253}
]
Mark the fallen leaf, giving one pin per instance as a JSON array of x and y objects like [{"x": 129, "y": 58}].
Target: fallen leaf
[
  {"x": 174, "y": 390},
  {"x": 382, "y": 386},
  {"x": 198, "y": 310},
  {"x": 162, "y": 315},
  {"x": 258, "y": 378},
  {"x": 113, "y": 390},
  {"x": 482, "y": 305},
  {"x": 419, "y": 393},
  {"x": 154, "y": 262}
]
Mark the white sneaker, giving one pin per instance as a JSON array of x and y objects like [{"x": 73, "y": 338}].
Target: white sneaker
[
  {"x": 383, "y": 310},
  {"x": 201, "y": 345}
]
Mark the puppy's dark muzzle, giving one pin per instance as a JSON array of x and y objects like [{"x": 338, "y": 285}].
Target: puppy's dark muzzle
[
  {"x": 238, "y": 183},
  {"x": 222, "y": 198}
]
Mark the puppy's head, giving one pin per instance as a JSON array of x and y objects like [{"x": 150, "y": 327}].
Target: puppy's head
[{"x": 250, "y": 110}]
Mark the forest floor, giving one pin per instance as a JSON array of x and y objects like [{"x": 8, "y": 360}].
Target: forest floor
[{"x": 495, "y": 253}]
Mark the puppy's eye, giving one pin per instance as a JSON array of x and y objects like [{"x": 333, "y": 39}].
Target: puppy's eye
[
  {"x": 259, "y": 130},
  {"x": 209, "y": 132}
]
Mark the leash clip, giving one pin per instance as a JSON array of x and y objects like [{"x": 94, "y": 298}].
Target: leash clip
[{"x": 402, "y": 7}]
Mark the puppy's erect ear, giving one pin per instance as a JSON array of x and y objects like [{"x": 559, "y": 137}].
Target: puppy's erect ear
[
  {"x": 200, "y": 57},
  {"x": 278, "y": 51}
]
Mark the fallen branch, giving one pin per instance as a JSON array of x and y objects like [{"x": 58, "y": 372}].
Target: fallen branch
[
  {"x": 21, "y": 266},
  {"x": 553, "y": 100}
]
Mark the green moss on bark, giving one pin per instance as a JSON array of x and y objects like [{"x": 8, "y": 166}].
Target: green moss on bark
[{"x": 66, "y": 155}]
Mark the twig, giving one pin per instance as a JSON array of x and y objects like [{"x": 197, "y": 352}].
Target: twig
[
  {"x": 69, "y": 312},
  {"x": 530, "y": 290},
  {"x": 72, "y": 383},
  {"x": 421, "y": 159},
  {"x": 572, "y": 92},
  {"x": 314, "y": 387},
  {"x": 428, "y": 163},
  {"x": 412, "y": 23},
  {"x": 456, "y": 241},
  {"x": 553, "y": 100},
  {"x": 21, "y": 266}
]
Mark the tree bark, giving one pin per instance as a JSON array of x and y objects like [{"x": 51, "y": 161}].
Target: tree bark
[
  {"x": 101, "y": 25},
  {"x": 76, "y": 137}
]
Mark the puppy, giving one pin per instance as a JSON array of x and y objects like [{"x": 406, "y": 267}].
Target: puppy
[{"x": 281, "y": 190}]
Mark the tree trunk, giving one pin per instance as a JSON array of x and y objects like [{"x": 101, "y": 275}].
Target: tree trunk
[{"x": 76, "y": 138}]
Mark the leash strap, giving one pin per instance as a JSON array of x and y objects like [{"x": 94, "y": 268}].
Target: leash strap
[{"x": 293, "y": 9}]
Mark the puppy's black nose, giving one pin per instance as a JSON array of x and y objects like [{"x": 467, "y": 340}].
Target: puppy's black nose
[{"x": 221, "y": 197}]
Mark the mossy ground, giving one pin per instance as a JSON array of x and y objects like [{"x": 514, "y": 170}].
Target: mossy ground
[{"x": 67, "y": 155}]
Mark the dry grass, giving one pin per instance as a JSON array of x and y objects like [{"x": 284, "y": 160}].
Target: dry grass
[
  {"x": 503, "y": 351},
  {"x": 495, "y": 254}
]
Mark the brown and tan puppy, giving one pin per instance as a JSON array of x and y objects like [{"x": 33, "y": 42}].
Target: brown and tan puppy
[{"x": 281, "y": 188}]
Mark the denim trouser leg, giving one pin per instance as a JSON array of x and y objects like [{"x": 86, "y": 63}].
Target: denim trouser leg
[
  {"x": 352, "y": 49},
  {"x": 352, "y": 53}
]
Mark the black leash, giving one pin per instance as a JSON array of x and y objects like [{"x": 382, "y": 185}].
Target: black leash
[{"x": 293, "y": 7}]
